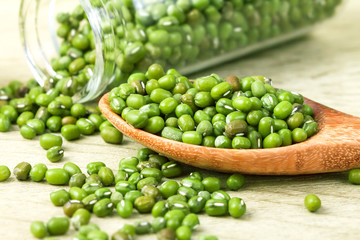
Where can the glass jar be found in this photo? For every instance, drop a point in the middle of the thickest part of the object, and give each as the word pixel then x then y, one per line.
pixel 82 50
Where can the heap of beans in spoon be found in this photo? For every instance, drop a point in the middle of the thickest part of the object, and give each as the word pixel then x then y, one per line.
pixel 239 113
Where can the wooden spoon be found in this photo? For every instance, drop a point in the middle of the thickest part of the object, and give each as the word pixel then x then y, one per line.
pixel 336 147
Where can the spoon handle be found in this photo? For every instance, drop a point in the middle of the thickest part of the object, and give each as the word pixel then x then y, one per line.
pixel 338 142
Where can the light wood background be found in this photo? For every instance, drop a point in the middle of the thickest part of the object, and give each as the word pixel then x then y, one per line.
pixel 325 66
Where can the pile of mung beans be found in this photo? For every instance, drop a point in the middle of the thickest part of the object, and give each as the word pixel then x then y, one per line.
pixel 173 33
pixel 140 185
pixel 36 111
pixel 239 113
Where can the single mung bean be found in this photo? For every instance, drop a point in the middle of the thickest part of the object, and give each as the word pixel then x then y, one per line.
pixel 80 217
pixel 220 194
pixel 159 209
pixel 171 169
pixel 160 160
pixel 5 125
pixel 10 112
pixel 216 207
pixel 77 193
pixel 70 132
pixel 129 169
pixel 68 120
pixel 106 176
pixel 128 229
pixel 78 110
pixel 137 118
pixel 71 206
pixel 4 173
pixel 235 182
pixel 237 207
pixel 22 171
pixel 191 220
pixel 38 229
pixel 59 197
pixel 295 120
pixel 144 204
pixel 142 227
pixel 91 187
pixel 49 140
pixel 211 184
pixel 196 175
pixel 58 225
pixel 283 109
pixel 111 135
pixel 151 191
pixel 241 143
pixel 121 176
pixel 192 137
pixel 172 133
pixel 272 140
pixel 37 173
pixel 105 124
pixel 311 128
pixel 197 203
pixel 187 192
pixel 94 178
pixel 180 205
pixel 27 132
pixel 166 234
pixel 193 183
pixel 54 123
pixel 55 154
pixel 205 194
pixel 144 153
pixel 298 135
pixel 124 186
pixel 103 207
pixel 124 208
pixel 223 142
pixel 57 176
pixel 152 172
pixel 116 197
pixel 135 178
pixel 158 224
pixel 77 180
pixel 71 168
pixel 86 127
pixel 183 233
pixel 312 202
pixel 169 188
pixel 354 176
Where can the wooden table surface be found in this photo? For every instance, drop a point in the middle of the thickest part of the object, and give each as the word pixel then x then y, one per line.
pixel 325 66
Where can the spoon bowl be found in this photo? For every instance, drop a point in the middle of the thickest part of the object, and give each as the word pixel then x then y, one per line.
pixel 336 147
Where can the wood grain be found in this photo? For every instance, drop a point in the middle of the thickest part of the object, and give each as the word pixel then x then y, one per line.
pixel 323 67
pixel 336 147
